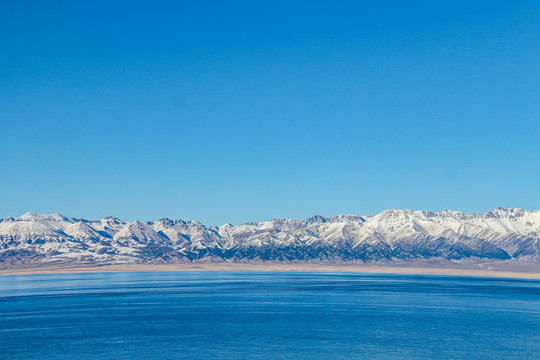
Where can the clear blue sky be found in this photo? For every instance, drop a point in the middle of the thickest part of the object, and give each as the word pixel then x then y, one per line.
pixel 227 111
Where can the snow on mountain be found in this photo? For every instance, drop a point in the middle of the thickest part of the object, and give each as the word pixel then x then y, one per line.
pixel 81 230
pixel 138 233
pixel 392 235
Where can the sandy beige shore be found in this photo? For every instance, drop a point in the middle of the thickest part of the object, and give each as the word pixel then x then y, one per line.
pixel 531 272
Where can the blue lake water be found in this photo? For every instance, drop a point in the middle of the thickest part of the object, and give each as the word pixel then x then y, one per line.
pixel 249 315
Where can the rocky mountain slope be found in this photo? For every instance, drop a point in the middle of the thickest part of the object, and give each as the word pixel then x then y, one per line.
pixel 510 235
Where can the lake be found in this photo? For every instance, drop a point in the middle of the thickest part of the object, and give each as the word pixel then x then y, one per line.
pixel 267 315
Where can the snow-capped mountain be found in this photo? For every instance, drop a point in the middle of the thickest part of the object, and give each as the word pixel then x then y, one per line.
pixel 392 235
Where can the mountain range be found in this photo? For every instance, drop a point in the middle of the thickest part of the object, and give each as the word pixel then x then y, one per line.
pixel 501 235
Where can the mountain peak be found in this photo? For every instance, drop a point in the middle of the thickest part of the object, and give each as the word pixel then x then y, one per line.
pixel 316 219
pixel 32 216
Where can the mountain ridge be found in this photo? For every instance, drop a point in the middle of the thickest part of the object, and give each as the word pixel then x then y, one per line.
pixel 393 235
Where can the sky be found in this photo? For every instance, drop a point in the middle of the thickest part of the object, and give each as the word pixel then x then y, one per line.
pixel 236 111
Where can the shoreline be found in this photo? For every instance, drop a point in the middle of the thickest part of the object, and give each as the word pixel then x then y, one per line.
pixel 532 273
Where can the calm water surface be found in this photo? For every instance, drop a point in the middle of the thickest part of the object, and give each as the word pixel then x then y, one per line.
pixel 249 315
